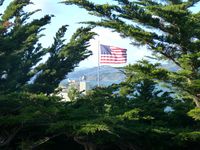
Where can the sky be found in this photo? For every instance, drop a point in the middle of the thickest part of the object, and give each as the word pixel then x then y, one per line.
pixel 72 15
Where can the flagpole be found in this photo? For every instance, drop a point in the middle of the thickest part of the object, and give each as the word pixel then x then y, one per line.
pixel 98 72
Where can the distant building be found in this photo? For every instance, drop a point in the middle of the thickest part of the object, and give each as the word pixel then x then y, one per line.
pixel 82 86
pixel 83 78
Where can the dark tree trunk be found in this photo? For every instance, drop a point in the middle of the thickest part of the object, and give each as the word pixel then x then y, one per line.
pixel 197 101
pixel 127 146
pixel 87 145
pixel 8 136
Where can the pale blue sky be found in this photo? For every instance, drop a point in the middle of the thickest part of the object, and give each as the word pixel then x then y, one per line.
pixel 71 15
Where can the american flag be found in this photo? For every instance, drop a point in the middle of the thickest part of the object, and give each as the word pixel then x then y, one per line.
pixel 112 55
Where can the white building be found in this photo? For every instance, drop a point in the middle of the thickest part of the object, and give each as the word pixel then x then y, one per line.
pixel 82 86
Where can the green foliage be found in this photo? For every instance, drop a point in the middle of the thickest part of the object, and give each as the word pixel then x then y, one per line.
pixel 93 128
pixel 104 113
pixel 26 115
pixel 73 93
pixel 130 115
pixel 100 117
pixel 195 113
pixel 190 136
pixel 188 139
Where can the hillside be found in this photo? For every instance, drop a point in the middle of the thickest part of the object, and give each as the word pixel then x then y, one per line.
pixel 108 75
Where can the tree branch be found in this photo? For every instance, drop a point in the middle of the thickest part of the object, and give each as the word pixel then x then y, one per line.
pixel 10 138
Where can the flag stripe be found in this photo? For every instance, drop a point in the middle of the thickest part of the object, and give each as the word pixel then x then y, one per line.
pixel 118 53
pixel 112 55
pixel 116 58
pixel 116 62
pixel 119 50
pixel 113 60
